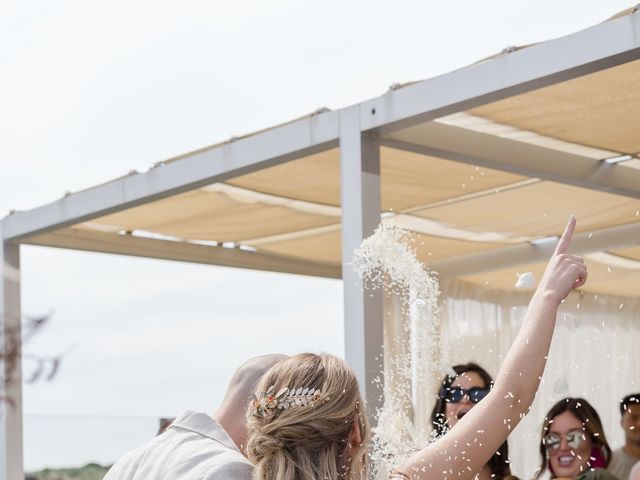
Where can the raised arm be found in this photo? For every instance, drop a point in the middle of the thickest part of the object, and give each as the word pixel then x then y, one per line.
pixel 464 450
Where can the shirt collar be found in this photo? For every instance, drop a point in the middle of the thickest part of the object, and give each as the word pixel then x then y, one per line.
pixel 205 425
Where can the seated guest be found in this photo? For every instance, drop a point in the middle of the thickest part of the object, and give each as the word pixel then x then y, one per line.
pixel 459 394
pixel 625 457
pixel 197 446
pixel 573 444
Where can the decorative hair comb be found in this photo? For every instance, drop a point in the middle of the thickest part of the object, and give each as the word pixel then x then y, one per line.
pixel 284 399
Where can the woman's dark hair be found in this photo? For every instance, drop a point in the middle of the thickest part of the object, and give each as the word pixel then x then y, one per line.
pixel 499 462
pixel 591 423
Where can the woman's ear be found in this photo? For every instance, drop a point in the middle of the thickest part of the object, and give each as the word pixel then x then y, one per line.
pixel 355 434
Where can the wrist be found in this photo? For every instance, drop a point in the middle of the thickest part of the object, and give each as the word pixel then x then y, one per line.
pixel 549 297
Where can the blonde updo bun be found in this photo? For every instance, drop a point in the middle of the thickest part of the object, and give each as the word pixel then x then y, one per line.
pixel 309 442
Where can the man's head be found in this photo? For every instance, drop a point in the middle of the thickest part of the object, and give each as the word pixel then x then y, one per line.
pixel 231 414
pixel 630 421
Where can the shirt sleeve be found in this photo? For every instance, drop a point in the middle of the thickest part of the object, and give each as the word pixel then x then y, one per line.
pixel 635 472
pixel 126 466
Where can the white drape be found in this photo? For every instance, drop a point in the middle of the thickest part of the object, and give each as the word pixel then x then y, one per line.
pixel 595 354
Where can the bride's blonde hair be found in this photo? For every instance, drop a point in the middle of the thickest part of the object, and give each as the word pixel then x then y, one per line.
pixel 309 442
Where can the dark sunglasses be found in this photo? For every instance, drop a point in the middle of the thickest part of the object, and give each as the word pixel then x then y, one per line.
pixel 574 438
pixel 456 394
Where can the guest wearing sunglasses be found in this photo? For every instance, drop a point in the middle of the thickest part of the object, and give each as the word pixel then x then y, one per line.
pixel 573 444
pixel 458 394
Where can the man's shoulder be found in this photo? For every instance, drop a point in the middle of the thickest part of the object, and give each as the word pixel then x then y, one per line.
pixel 127 464
pixel 235 467
pixel 194 447
pixel 217 463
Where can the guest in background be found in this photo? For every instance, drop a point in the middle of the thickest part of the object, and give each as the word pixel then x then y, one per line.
pixel 625 457
pixel 573 444
pixel 635 472
pixel 458 394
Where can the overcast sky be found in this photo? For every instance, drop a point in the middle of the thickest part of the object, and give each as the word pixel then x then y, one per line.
pixel 91 90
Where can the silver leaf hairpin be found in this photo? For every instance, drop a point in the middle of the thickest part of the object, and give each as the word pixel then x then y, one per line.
pixel 283 399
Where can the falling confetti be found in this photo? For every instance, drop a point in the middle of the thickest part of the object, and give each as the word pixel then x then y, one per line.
pixel 387 260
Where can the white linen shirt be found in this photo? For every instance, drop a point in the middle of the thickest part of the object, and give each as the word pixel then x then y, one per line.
pixel 194 447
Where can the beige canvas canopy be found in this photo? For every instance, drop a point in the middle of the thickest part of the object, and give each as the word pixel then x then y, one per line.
pixel 458 209
pixel 484 164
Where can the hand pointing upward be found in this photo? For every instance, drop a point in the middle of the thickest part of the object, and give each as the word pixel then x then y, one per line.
pixel 564 272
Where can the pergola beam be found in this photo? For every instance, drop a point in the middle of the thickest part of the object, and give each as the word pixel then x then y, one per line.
pixel 77 239
pixel 482 149
pixel 271 147
pixel 627 235
pixel 602 46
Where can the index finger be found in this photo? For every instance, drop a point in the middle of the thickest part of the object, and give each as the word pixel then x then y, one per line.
pixel 565 239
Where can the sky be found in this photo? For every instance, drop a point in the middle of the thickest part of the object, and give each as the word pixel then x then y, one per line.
pixel 92 90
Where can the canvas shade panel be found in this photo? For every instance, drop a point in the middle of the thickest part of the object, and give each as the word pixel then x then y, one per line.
pixel 408 179
pixel 634 163
pixel 601 110
pixel 630 253
pixel 256 209
pixel 537 210
pixel 314 178
pixel 430 248
pixel 326 247
pixel 322 247
pixel 602 278
pixel 625 285
pixel 214 216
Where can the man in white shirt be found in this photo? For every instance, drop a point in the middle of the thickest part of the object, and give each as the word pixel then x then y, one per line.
pixel 625 457
pixel 199 446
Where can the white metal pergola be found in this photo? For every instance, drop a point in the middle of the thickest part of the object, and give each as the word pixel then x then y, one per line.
pixel 358 131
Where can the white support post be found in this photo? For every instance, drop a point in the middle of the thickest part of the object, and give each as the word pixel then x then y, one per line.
pixel 11 463
pixel 363 311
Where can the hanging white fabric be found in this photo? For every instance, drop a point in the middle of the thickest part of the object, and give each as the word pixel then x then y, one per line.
pixel 594 355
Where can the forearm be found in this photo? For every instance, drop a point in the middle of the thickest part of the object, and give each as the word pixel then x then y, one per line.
pixel 522 368
pixel 464 450
pixel 478 435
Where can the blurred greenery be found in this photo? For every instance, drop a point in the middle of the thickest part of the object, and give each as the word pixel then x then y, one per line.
pixel 92 471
